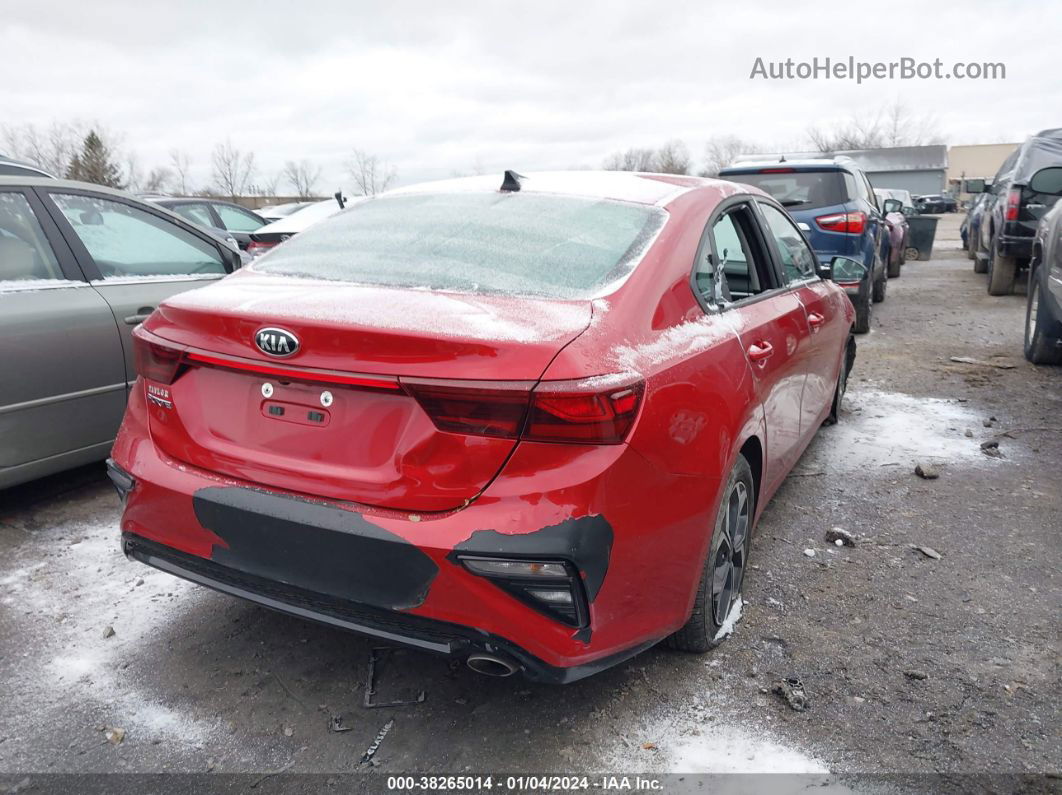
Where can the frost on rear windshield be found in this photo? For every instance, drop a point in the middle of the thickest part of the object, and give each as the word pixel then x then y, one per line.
pixel 533 244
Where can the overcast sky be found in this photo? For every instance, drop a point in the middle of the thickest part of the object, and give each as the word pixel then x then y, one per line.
pixel 451 87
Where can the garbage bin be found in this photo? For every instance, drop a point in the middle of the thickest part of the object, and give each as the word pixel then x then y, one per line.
pixel 922 230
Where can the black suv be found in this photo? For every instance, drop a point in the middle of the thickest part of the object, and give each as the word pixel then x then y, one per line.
pixel 1014 210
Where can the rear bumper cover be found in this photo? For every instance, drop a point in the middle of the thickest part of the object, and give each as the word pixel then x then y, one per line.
pixel 406 629
pixel 1013 246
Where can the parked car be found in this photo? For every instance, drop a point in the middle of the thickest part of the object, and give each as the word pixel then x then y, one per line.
pixel 936 203
pixel 80 266
pixel 1043 314
pixel 970 231
pixel 277 232
pixel 834 204
pixel 1013 212
pixel 899 230
pixel 9 167
pixel 238 222
pixel 275 212
pixel 435 418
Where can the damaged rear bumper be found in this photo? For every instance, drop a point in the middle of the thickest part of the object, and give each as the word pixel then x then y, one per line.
pixel 406 629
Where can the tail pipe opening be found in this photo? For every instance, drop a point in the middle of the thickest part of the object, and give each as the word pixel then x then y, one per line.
pixel 491 665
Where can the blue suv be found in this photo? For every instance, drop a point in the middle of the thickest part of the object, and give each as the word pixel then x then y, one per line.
pixel 833 202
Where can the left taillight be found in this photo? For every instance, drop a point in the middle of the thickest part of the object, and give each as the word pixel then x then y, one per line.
pixel 1013 204
pixel 156 360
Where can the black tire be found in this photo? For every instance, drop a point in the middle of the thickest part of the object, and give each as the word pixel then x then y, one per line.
pixel 725 565
pixel 971 249
pixel 894 268
pixel 842 385
pixel 1043 333
pixel 1001 272
pixel 880 285
pixel 862 316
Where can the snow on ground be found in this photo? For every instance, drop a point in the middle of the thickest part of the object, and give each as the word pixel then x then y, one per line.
pixel 63 606
pixel 891 429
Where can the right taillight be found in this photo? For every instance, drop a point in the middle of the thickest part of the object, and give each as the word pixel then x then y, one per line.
pixel 574 412
pixel 564 412
pixel 1013 203
pixel 155 360
pixel 254 248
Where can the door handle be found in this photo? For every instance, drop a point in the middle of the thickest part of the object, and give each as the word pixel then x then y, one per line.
pixel 142 314
pixel 760 351
pixel 815 320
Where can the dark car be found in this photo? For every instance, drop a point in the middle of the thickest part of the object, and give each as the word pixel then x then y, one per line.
pixel 9 167
pixel 834 204
pixel 1014 210
pixel 238 221
pixel 453 468
pixel 1043 314
pixel 936 203
pixel 80 266
pixel 970 231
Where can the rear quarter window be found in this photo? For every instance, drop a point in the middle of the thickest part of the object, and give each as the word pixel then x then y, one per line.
pixel 799 190
pixel 518 243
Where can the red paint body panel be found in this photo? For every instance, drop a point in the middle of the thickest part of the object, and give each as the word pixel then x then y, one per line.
pixel 380 456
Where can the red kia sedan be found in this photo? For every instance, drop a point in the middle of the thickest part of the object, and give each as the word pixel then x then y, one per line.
pixel 528 422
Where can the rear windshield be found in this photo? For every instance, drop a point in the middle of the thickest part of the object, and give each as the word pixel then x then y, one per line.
pixel 799 190
pixel 535 244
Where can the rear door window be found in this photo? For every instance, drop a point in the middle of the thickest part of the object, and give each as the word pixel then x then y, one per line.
pixel 196 213
pixel 127 242
pixel 734 266
pixel 798 190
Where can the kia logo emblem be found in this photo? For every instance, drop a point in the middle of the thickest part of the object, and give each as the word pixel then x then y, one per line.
pixel 276 342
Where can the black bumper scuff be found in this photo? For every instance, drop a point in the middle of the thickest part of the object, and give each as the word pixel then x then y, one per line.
pixel 318 547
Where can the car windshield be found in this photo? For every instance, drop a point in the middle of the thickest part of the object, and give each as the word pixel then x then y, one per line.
pixel 798 190
pixel 518 243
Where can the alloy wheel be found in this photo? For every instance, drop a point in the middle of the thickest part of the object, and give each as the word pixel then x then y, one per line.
pixel 728 568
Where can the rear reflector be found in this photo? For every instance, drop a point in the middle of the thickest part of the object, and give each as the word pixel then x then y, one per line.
pixel 849 223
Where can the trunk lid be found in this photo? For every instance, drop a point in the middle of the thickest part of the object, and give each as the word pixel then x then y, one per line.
pixel 368 440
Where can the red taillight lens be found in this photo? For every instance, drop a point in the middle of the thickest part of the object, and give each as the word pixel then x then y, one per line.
pixel 155 360
pixel 560 412
pixel 554 411
pixel 1013 203
pixel 482 408
pixel 849 223
pixel 254 248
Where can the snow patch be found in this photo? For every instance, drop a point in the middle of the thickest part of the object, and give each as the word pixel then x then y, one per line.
pixel 677 342
pixel 732 618
pixel 880 428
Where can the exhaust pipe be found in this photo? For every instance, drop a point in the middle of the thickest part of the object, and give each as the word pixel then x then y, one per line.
pixel 490 665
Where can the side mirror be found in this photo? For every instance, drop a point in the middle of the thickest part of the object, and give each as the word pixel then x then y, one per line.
pixel 891 206
pixel 233 257
pixel 843 269
pixel 1047 181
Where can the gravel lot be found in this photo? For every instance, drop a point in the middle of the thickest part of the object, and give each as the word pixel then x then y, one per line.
pixel 944 660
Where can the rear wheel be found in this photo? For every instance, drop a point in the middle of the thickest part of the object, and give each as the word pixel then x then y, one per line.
pixel 1042 332
pixel 971 248
pixel 878 293
pixel 719 590
pixel 1001 272
pixel 894 266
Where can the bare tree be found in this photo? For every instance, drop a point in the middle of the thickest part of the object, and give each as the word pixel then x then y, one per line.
pixel 233 170
pixel 721 151
pixel 673 158
pixel 158 180
pixel 303 177
pixel 634 159
pixel 266 186
pixel 181 164
pixel 52 148
pixel 370 174
pixel 893 125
